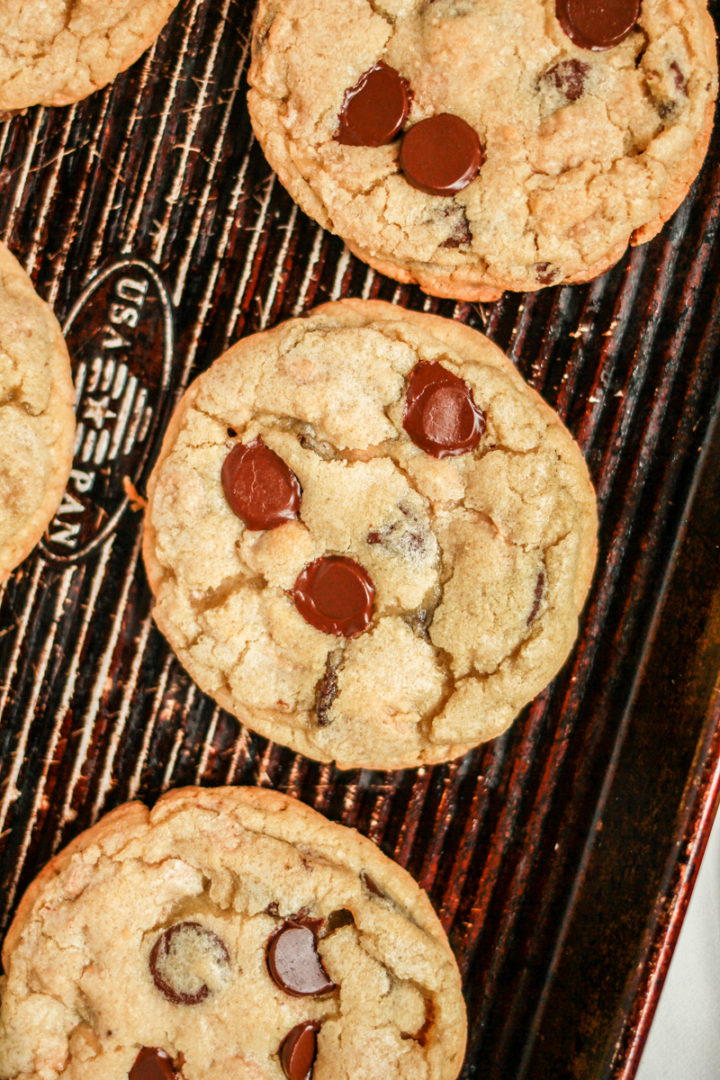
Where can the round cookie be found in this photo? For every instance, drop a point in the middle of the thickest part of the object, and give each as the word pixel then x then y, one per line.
pixel 473 146
pixel 37 423
pixel 54 52
pixel 427 582
pixel 229 932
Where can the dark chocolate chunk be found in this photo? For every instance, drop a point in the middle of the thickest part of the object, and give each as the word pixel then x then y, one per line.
pixel 545 273
pixel 337 919
pixel 403 539
pixel 441 416
pixel 441 155
pixel 298 1050
pixel 259 486
pixel 294 963
pixel 568 76
pixel 421 1036
pixel 680 80
pixel 327 688
pixel 461 236
pixel 371 886
pixel 419 622
pixel 179 956
pixel 375 108
pixel 152 1064
pixel 335 594
pixel 537 600
pixel 597 24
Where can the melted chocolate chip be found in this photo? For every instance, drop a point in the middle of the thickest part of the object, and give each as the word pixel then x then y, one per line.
pixel 441 155
pixel 294 963
pixel 375 108
pixel 545 273
pixel 680 80
pixel 405 541
pixel 371 886
pixel 152 1064
pixel 537 600
pixel 182 957
pixel 335 594
pixel 597 24
pixel 568 76
pixel 441 416
pixel 259 486
pixel 337 919
pixel 419 622
pixel 298 1050
pixel 461 236
pixel 327 688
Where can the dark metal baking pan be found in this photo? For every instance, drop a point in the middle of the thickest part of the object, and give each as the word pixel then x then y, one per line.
pixel 562 855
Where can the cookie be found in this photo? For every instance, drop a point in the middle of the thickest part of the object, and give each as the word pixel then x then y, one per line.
pixel 472 146
pixel 37 423
pixel 227 933
pixel 54 52
pixel 367 537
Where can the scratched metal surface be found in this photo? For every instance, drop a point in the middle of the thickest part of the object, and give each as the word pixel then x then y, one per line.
pixel 561 856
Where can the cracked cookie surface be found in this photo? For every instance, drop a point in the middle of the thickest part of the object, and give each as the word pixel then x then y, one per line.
pixel 54 52
pixel 478 562
pixel 584 151
pixel 180 942
pixel 37 421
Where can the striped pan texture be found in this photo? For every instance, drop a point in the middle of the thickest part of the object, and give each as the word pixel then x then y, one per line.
pixel 562 855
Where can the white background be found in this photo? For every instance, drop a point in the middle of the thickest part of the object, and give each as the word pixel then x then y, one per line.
pixel 684 1040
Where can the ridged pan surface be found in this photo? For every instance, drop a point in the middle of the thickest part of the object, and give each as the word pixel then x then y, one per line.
pixel 561 855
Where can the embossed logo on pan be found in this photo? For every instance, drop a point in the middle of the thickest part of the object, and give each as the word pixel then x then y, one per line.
pixel 120 338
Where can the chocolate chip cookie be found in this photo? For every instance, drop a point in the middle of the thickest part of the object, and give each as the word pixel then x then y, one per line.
pixel 54 52
pixel 473 146
pixel 367 537
pixel 37 422
pixel 227 933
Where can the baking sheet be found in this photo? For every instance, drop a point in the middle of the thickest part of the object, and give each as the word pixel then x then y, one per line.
pixel 560 856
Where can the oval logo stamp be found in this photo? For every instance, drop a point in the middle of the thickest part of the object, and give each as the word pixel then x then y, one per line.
pixel 120 337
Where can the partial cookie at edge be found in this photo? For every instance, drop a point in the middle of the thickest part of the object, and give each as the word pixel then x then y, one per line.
pixel 568 182
pixel 37 422
pixel 59 51
pixel 242 864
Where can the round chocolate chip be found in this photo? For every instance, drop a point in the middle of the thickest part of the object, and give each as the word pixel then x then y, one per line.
pixel 298 1049
pixel 375 108
pixel 152 1064
pixel 259 486
pixel 294 963
pixel 441 416
pixel 335 594
pixel 441 155
pixel 184 958
pixel 597 24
